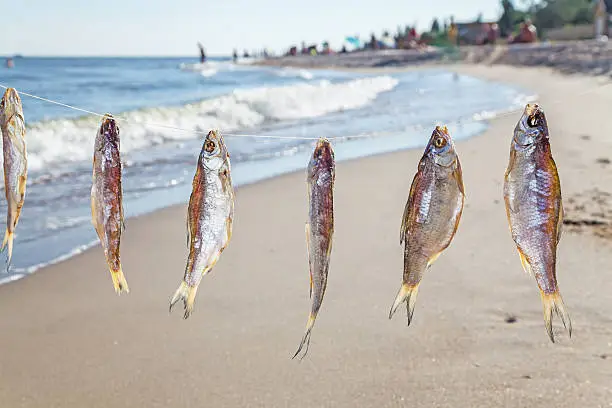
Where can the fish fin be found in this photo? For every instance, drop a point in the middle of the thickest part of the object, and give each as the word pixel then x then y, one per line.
pixel 404 222
pixel 550 302
pixel 306 339
pixel 119 282
pixel 560 222
pixel 122 219
pixel 307 228
pixel 187 294
pixel 406 294
pixel 525 263
pixel 228 228
pixel 406 214
pixel 7 244
pixel 21 186
pixel 188 229
pixel 433 259
pixel 458 176
pixel 94 220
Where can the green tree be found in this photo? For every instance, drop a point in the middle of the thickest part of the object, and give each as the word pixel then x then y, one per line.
pixel 557 13
pixel 584 15
pixel 435 26
pixel 507 20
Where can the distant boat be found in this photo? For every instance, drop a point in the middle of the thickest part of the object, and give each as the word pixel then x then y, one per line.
pixel 17 56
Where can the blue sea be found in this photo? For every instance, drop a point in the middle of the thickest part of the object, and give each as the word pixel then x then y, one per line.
pixel 165 104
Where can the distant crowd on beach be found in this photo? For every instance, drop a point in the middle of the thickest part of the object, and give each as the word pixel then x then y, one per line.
pixel 452 34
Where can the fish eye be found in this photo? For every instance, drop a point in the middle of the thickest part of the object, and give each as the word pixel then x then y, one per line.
pixel 209 146
pixel 440 142
pixel 533 120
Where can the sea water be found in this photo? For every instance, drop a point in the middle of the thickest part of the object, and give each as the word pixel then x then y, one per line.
pixel 369 113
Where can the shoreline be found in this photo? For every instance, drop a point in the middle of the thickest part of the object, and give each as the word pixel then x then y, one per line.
pixel 587 57
pixel 470 124
pixel 70 341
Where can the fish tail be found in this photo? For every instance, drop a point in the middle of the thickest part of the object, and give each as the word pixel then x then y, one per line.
pixel 119 281
pixel 407 293
pixel 187 294
pixel 553 302
pixel 7 244
pixel 306 339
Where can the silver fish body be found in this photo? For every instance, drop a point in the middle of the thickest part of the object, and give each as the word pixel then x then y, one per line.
pixel 12 123
pixel 319 228
pixel 532 194
pixel 107 198
pixel 210 216
pixel 431 216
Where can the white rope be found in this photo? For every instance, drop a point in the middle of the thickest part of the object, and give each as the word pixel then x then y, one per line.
pixel 363 135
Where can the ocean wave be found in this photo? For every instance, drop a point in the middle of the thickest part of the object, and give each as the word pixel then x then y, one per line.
pixel 293 72
pixel 70 140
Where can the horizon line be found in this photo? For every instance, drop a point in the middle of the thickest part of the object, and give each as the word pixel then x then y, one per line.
pixel 20 55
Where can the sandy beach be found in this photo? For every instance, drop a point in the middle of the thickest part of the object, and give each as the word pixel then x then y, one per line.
pixel 477 339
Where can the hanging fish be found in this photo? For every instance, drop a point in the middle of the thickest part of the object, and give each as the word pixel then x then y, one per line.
pixel 107 198
pixel 15 163
pixel 431 215
pixel 209 217
pixel 319 228
pixel 532 193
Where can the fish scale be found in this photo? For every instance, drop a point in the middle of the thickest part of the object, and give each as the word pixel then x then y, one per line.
pixel 319 229
pixel 431 215
pixel 107 198
pixel 209 217
pixel 12 124
pixel 532 195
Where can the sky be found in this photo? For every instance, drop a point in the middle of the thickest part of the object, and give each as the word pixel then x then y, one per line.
pixel 173 28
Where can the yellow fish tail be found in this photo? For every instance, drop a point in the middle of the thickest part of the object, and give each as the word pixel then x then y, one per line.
pixel 408 294
pixel 7 244
pixel 187 294
pixel 553 302
pixel 119 281
pixel 306 339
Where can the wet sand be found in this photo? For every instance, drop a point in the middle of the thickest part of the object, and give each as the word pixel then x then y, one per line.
pixel 477 338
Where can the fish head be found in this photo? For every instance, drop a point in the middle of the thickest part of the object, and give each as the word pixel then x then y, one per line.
pixel 441 149
pixel 214 153
pixel 531 128
pixel 11 104
pixel 323 158
pixel 110 130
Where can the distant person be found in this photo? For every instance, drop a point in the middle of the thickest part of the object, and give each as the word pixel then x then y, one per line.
pixel 373 42
pixel 412 35
pixel 202 54
pixel 245 54
pixel 235 56
pixel 493 33
pixel 452 33
pixel 9 62
pixel 527 33
pixel 343 50
pixel 531 33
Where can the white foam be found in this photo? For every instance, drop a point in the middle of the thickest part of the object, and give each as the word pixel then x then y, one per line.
pixel 63 140
pixel 208 72
pixel 292 72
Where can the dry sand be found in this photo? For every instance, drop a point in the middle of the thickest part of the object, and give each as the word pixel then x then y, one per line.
pixel 68 341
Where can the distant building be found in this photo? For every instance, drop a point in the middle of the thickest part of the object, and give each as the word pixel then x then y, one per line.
pixel 603 13
pixel 477 33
